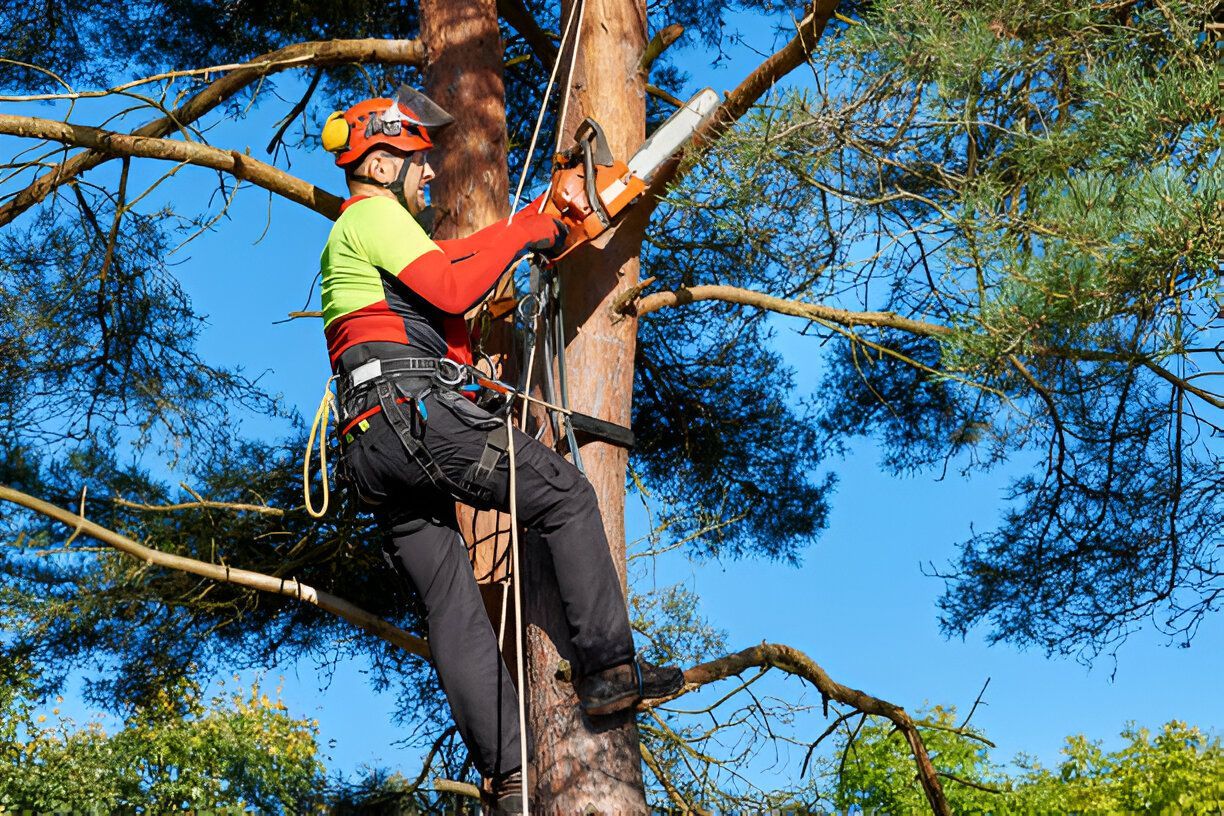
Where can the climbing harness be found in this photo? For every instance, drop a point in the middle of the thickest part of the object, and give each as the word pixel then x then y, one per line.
pixel 401 386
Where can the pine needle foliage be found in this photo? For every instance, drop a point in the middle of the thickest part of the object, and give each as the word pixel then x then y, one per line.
pixel 1031 193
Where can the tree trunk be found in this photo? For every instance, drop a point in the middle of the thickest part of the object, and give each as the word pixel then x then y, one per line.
pixel 580 768
pixel 464 76
pixel 577 768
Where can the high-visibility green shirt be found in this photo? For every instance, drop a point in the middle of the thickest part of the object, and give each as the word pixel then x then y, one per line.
pixel 385 280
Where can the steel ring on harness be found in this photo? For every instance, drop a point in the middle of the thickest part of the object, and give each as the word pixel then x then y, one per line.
pixel 450 373
pixel 529 309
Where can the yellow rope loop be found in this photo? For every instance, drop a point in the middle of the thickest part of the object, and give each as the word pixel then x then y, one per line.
pixel 327 407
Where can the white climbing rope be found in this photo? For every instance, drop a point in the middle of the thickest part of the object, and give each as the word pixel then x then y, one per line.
pixel 576 12
pixel 518 613
pixel 573 28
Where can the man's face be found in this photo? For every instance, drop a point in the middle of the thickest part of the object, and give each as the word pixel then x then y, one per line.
pixel 416 181
pixel 387 166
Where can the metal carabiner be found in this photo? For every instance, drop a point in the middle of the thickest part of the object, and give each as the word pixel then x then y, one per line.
pixel 450 373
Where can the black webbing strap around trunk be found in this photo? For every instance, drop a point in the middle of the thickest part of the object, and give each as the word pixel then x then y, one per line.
pixel 602 430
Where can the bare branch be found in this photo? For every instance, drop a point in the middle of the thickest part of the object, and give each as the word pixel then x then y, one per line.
pixel 461 788
pixel 666 96
pixel 976 703
pixel 236 507
pixel 960 731
pixel 126 86
pixel 664 780
pixel 969 783
pixel 524 22
pixel 812 311
pixel 429 757
pixel 793 661
pixel 740 100
pixel 295 110
pixel 290 588
pixel 659 43
pixel 119 144
pixel 683 296
pixel 1178 382
pixel 331 52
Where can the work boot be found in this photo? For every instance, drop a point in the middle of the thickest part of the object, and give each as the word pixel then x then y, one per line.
pixel 508 793
pixel 621 687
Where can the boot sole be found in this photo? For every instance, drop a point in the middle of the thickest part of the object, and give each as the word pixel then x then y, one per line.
pixel 613 706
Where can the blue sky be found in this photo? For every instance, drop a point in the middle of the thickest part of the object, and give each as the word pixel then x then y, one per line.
pixel 858 604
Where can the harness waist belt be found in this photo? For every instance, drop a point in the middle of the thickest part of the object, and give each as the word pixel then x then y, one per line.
pixel 446 371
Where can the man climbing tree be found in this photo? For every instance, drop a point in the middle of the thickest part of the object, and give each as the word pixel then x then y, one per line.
pixel 999 221
pixel 393 306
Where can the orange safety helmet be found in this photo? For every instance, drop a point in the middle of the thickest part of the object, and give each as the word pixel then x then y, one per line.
pixel 402 123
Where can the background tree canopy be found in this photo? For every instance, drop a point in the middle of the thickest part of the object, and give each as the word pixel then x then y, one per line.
pixel 999 224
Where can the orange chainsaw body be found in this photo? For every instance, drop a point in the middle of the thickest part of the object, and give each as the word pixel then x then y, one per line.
pixel 585 172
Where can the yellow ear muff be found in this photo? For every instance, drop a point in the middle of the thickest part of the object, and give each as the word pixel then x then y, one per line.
pixel 335 133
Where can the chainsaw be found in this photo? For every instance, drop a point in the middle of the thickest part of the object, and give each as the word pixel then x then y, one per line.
pixel 590 187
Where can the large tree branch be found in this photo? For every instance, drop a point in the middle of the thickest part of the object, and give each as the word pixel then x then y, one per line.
pixel 793 661
pixel 747 297
pixel 631 303
pixel 740 100
pixel 319 54
pixel 219 572
pixel 108 143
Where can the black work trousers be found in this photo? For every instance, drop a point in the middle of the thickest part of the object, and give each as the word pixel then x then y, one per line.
pixel 424 544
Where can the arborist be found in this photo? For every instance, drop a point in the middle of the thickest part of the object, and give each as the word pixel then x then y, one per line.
pixel 413 443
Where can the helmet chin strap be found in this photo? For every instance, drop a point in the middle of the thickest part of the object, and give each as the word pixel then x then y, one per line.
pixel 396 186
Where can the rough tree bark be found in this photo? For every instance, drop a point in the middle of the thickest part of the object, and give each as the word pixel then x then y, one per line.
pixel 464 75
pixel 581 767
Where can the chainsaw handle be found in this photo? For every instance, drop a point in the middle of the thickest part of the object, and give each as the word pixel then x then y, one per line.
pixel 590 133
pixel 592 192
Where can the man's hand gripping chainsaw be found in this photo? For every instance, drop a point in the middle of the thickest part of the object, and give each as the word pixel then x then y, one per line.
pixel 590 187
